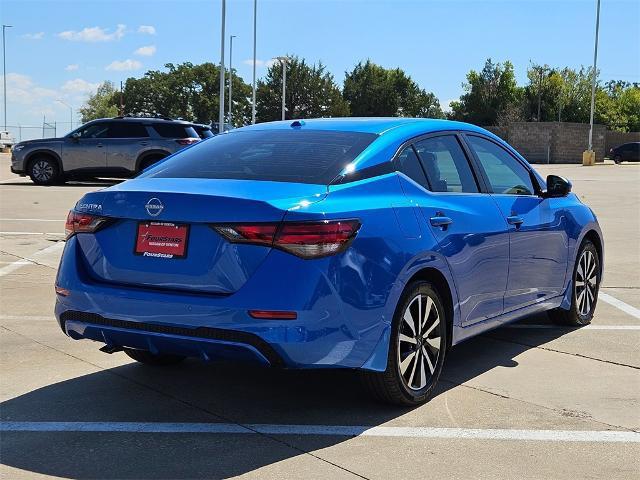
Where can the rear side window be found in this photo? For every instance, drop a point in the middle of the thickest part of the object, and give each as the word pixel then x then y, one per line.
pixel 127 130
pixel 311 156
pixel 446 165
pixel 174 130
pixel 410 166
pixel 203 132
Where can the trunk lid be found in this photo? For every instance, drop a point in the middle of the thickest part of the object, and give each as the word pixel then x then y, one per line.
pixel 211 264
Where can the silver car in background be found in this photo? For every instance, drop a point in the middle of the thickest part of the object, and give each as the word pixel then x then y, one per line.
pixel 108 147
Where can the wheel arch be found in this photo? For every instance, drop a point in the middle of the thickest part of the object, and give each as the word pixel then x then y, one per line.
pixel 42 153
pixel 441 284
pixel 150 153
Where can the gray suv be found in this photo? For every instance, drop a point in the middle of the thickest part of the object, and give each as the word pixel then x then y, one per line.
pixel 108 147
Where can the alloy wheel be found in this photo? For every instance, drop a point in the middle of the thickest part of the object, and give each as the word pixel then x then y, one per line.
pixel 586 282
pixel 419 342
pixel 42 171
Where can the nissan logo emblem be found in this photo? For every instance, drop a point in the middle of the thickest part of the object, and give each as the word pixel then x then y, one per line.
pixel 154 207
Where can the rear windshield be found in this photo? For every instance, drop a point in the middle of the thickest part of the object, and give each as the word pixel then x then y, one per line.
pixel 203 132
pixel 174 130
pixel 275 155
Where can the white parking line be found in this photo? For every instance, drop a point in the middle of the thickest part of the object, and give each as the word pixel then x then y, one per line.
pixel 32 233
pixel 30 220
pixel 329 430
pixel 33 259
pixel 586 327
pixel 625 307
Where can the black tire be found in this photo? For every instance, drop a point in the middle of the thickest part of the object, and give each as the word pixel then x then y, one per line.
pixel 148 358
pixel 44 170
pixel 581 313
pixel 617 159
pixel 150 160
pixel 391 386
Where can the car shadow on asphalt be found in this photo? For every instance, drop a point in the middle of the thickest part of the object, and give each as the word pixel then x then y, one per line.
pixel 213 393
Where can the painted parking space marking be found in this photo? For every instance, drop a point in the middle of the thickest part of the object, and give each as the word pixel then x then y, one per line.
pixel 30 220
pixel 619 304
pixel 32 233
pixel 575 329
pixel 330 430
pixel 32 259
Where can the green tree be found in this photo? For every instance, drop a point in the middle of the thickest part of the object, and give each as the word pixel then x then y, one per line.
pixel 489 93
pixel 374 91
pixel 187 91
pixel 311 92
pixel 102 104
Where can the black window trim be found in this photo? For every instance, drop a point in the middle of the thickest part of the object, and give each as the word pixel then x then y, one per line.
pixel 534 179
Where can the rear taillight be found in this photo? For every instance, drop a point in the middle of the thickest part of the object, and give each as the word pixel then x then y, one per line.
pixel 83 223
pixel 187 141
pixel 304 239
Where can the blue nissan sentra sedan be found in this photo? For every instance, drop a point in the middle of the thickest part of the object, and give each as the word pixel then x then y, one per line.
pixel 368 244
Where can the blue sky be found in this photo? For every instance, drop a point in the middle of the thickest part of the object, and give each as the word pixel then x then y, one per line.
pixel 62 50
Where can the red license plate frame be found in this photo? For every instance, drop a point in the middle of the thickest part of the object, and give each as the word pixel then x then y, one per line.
pixel 166 240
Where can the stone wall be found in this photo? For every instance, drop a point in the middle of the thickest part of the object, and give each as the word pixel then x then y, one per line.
pixel 554 142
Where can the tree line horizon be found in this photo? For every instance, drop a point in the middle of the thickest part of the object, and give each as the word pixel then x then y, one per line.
pixel 491 95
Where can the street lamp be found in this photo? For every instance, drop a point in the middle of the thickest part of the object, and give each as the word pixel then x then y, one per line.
pixel 253 91
pixel 221 109
pixel 593 77
pixel 231 37
pixel 283 61
pixel 70 112
pixel 4 72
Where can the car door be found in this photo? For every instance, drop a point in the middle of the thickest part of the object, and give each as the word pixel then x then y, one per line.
pixel 126 140
pixel 537 226
pixel 467 224
pixel 85 148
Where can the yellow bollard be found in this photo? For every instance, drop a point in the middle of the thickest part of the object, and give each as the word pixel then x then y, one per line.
pixel 588 158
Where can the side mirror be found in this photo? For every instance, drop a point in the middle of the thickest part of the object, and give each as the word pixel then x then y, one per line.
pixel 557 187
pixel 75 136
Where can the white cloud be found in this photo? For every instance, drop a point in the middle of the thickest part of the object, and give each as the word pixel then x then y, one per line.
pixel 71 67
pixel 260 63
pixel 124 65
pixel 94 34
pixel 79 86
pixel 34 36
pixel 148 29
pixel 147 51
pixel 22 89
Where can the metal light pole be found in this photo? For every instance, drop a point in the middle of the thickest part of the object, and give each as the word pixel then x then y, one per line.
pixel 4 72
pixel 222 73
pixel 593 77
pixel 253 93
pixel 231 37
pixel 283 61
pixel 70 112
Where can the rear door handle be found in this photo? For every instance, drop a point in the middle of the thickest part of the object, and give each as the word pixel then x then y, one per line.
pixel 99 145
pixel 440 221
pixel 515 220
pixel 144 144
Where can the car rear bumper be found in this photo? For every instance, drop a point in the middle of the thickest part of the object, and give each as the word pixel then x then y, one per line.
pixel 214 327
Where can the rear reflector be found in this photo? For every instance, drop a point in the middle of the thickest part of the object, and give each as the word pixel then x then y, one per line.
pixel 273 315
pixel 83 223
pixel 62 291
pixel 303 239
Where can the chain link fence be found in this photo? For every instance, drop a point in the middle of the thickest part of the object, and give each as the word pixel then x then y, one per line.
pixel 47 129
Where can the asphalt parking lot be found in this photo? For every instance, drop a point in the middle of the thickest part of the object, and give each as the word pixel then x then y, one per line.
pixel 530 401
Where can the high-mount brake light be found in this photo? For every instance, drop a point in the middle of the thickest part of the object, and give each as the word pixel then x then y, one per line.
pixel 78 222
pixel 303 239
